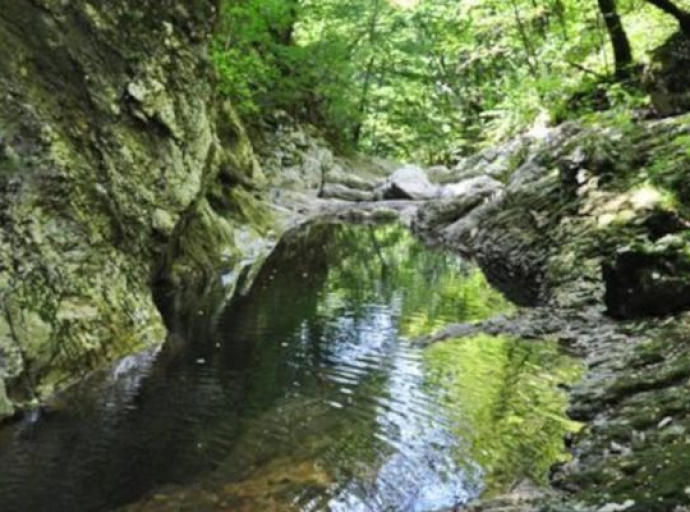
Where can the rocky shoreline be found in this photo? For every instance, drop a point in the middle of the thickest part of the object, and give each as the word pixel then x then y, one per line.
pixel 556 221
pixel 578 215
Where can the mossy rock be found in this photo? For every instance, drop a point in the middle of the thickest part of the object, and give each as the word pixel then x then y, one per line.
pixel 667 77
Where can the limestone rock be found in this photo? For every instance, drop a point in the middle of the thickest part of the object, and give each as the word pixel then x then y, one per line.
pixel 481 186
pixel 409 182
pixel 456 201
pixel 338 191
pixel 100 183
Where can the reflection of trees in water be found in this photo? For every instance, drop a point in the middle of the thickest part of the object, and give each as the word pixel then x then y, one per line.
pixel 357 268
pixel 230 397
pixel 505 391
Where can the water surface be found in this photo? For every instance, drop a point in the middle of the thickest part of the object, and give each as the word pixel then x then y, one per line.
pixel 306 394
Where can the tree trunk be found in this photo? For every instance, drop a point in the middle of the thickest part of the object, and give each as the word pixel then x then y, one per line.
pixel 363 102
pixel 283 30
pixel 529 51
pixel 364 97
pixel 619 39
pixel 681 15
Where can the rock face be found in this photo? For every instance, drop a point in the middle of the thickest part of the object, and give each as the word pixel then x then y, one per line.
pixel 452 210
pixel 668 76
pixel 300 166
pixel 593 223
pixel 652 283
pixel 578 196
pixel 112 160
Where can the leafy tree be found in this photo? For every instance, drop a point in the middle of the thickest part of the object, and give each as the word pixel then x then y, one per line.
pixel 681 15
pixel 403 78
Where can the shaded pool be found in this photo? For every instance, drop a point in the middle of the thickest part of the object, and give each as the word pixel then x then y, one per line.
pixel 306 394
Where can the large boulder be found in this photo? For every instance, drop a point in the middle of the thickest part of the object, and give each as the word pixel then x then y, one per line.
pixel 667 78
pixel 409 182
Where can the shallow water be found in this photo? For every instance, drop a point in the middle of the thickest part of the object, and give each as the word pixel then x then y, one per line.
pixel 307 395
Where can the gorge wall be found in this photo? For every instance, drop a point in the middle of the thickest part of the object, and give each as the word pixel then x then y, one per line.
pixel 112 158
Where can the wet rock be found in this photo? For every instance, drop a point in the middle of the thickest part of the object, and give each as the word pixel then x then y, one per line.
pixel 409 182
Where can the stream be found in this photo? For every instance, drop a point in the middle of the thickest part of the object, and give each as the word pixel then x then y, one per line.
pixel 307 394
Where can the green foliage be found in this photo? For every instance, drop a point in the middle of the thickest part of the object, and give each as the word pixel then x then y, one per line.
pixel 408 78
pixel 253 54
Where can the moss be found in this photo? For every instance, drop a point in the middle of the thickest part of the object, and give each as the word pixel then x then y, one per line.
pixel 106 177
pixel 656 480
pixel 649 353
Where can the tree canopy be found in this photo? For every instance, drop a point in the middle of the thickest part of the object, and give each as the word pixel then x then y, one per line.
pixel 408 78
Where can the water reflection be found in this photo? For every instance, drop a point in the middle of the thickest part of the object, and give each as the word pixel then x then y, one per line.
pixel 305 395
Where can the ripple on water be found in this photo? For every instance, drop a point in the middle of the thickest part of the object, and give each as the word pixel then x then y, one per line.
pixel 306 395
